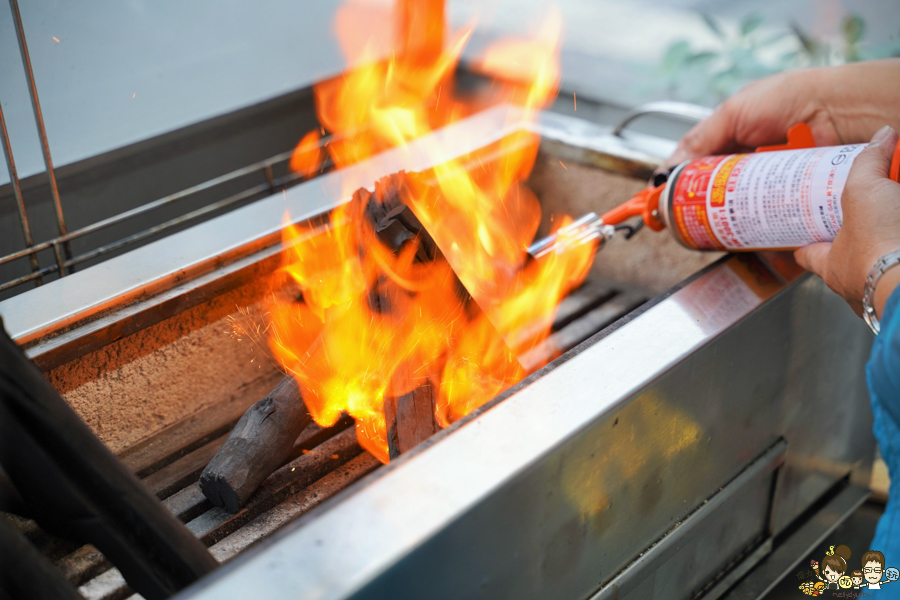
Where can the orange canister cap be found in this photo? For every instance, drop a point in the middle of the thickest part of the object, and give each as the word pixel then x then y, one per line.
pixel 895 163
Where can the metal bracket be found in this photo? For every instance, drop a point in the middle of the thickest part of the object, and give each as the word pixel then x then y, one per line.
pixel 685 111
pixel 638 571
pixel 790 552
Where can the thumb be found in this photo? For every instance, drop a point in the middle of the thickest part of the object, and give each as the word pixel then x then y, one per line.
pixel 875 160
pixel 710 136
pixel 814 257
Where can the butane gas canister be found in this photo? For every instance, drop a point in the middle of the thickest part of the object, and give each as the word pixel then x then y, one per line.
pixel 780 197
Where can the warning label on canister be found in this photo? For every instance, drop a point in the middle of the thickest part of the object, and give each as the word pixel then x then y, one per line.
pixel 781 199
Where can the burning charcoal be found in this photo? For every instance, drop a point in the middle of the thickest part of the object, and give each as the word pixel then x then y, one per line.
pixel 263 438
pixel 409 416
pixel 260 443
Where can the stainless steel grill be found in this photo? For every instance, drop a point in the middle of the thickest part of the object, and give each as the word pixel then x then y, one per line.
pixel 673 447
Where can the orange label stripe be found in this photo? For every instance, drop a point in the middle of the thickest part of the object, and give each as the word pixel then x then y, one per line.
pixel 717 195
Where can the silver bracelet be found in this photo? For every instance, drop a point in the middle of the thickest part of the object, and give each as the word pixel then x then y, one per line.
pixel 881 266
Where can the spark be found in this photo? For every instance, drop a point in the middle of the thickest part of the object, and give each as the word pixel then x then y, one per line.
pixel 284 194
pixel 563 166
pixel 55 39
pixel 575 100
pixel 134 94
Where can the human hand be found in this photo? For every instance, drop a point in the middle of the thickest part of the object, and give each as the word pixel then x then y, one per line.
pixel 842 105
pixel 871 228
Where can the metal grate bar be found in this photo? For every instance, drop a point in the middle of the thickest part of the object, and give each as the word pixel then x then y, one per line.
pixel 270 186
pixel 17 192
pixel 42 131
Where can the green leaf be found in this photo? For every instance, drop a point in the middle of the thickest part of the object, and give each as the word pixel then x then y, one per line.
pixel 700 58
pixel 713 25
pixel 854 28
pixel 750 23
pixel 676 55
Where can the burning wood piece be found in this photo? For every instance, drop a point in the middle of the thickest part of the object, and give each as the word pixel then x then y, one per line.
pixel 409 415
pixel 262 439
pixel 410 419
pixel 261 442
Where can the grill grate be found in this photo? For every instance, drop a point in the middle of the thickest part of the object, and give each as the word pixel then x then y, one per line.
pixel 323 461
pixel 64 263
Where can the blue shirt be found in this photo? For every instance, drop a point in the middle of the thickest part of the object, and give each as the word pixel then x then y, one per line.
pixel 883 376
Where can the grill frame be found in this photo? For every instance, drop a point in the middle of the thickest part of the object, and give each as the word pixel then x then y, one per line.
pixel 443 522
pixel 150 284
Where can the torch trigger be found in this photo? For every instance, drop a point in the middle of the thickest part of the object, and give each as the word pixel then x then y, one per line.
pixel 799 136
pixel 630 230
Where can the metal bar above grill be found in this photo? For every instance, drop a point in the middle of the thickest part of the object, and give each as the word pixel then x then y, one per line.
pixel 42 131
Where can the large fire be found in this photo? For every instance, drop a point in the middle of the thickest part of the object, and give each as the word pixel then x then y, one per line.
pixel 349 356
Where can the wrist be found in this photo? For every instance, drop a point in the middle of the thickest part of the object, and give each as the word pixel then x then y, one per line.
pixel 886 286
pixel 882 267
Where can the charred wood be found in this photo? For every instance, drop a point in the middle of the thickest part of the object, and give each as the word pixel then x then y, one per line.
pixel 409 408
pixel 261 442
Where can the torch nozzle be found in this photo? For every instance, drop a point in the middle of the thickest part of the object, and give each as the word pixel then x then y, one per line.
pixel 591 227
pixel 586 229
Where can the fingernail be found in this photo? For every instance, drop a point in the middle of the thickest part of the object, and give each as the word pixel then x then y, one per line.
pixel 882 134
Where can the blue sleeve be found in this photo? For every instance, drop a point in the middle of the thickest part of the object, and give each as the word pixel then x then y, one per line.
pixel 883 374
pixel 883 377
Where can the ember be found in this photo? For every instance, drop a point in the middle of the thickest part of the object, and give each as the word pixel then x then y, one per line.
pixel 380 319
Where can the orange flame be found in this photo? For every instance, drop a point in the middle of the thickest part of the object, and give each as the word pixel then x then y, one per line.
pixel 346 355
pixel 307 155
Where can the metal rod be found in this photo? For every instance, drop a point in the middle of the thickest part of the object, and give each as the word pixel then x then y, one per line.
pixel 246 194
pixel 64 264
pixel 28 251
pixel 60 261
pixel 39 119
pixel 26 278
pixel 174 197
pixel 17 192
pixel 279 182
